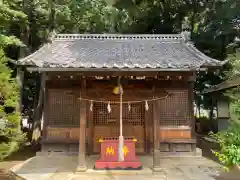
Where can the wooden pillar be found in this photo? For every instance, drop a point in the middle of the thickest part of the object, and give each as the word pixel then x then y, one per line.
pixel 156 137
pixel 191 108
pixel 82 149
pixel 192 121
pixel 43 99
pixel 90 130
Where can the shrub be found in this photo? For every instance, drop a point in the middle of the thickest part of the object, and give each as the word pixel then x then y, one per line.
pixel 229 141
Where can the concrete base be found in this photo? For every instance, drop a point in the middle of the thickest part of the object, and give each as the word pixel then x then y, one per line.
pixel 81 169
pixel 118 165
pixel 198 153
pixel 157 169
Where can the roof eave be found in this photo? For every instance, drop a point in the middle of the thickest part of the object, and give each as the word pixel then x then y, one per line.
pixel 225 85
pixel 209 62
pixel 212 90
pixel 40 69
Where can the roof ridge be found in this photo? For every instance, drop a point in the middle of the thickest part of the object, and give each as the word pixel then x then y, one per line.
pixel 119 36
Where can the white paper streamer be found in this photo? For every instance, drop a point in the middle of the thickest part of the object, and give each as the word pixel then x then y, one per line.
pixel 91 106
pixel 146 106
pixel 109 107
pixel 129 107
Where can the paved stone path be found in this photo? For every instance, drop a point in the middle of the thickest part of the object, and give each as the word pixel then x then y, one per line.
pixel 63 168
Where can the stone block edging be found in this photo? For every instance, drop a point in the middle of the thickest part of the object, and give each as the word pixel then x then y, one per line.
pixel 14 176
pixel 12 173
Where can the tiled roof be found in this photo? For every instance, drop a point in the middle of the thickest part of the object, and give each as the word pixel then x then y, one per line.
pixel 119 51
pixel 228 84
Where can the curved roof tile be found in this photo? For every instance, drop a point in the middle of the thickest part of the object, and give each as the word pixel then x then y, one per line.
pixel 119 51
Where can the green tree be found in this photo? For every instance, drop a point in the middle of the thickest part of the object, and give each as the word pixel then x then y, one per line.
pixel 10 134
pixel 215 33
pixel 229 140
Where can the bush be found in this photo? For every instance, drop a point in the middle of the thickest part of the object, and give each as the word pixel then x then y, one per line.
pixel 10 141
pixel 229 141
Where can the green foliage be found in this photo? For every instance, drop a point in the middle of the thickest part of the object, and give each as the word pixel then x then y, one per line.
pixel 10 136
pixel 93 16
pixel 216 34
pixel 10 141
pixel 154 16
pixel 9 15
pixel 229 142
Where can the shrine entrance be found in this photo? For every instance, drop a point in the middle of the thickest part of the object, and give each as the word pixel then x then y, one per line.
pixel 106 123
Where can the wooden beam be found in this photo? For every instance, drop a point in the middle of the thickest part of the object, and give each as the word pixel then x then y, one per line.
pixel 83 116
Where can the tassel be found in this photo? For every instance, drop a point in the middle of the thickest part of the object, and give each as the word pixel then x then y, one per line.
pixel 109 107
pixel 91 106
pixel 146 106
pixel 129 106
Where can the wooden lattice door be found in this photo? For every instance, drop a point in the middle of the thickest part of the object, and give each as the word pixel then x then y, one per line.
pixel 106 124
pixel 134 123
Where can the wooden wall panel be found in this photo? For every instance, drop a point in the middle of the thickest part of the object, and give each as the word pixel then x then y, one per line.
pixel 64 134
pixel 57 133
pixel 174 110
pixel 175 134
pixel 74 133
pixel 63 108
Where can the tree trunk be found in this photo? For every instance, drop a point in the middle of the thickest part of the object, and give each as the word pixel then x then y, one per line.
pixel 36 108
pixel 24 33
pixel 52 19
pixel 193 17
pixel 20 78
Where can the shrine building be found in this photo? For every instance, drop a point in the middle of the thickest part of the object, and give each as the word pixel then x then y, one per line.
pixel 80 109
